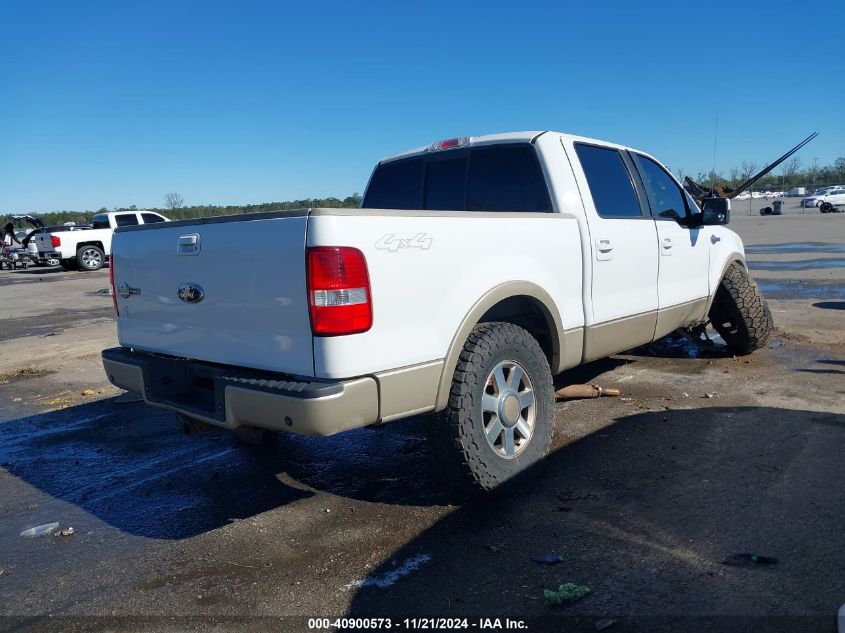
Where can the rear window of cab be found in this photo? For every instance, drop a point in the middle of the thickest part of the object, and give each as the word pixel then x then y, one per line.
pixel 502 177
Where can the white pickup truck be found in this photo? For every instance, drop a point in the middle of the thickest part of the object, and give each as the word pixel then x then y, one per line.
pixel 478 269
pixel 88 249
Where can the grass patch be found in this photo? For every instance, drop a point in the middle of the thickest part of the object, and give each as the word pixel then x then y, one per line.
pixel 23 372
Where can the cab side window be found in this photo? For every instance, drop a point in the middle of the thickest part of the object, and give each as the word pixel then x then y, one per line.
pixel 126 219
pixel 666 198
pixel 151 218
pixel 610 183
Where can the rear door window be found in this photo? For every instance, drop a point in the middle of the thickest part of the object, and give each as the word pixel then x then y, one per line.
pixel 610 182
pixel 126 219
pixel 506 178
pixel 151 218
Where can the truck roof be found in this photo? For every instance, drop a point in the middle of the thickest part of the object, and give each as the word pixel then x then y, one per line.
pixel 506 137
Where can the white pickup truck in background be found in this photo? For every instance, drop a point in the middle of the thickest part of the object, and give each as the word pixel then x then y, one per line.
pixel 478 269
pixel 89 248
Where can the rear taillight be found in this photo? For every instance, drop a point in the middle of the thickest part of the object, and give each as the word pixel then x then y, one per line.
pixel 111 284
pixel 56 241
pixel 338 291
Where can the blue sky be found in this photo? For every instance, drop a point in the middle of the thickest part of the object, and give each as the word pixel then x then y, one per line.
pixel 116 103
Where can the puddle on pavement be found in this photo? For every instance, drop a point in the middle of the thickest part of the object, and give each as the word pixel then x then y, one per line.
pixel 801 289
pixel 801 264
pixel 679 346
pixel 795 247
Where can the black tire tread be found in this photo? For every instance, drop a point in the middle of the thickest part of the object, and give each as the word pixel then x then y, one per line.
pixel 738 301
pixel 459 456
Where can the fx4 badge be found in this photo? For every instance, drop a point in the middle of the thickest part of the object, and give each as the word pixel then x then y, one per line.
pixel 126 291
pixel 395 241
pixel 191 293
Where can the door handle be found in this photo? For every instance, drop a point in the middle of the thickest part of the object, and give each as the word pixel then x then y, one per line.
pixel 604 249
pixel 666 246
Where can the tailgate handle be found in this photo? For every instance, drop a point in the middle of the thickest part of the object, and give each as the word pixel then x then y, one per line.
pixel 188 244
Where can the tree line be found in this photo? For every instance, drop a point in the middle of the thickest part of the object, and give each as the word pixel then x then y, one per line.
pixel 792 173
pixel 175 211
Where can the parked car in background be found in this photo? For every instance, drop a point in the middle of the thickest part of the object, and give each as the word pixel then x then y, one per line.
pixel 833 195
pixel 89 249
pixel 47 258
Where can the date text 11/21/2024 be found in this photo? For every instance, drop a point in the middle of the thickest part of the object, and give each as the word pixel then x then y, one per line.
pixel 431 624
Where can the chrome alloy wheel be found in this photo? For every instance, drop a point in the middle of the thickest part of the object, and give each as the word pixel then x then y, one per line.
pixel 508 409
pixel 91 258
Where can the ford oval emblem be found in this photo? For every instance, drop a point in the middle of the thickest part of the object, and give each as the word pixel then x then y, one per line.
pixel 191 293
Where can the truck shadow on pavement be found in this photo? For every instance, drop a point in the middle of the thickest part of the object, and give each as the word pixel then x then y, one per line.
pixel 130 466
pixel 645 513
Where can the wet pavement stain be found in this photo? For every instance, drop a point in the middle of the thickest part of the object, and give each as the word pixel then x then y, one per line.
pixel 795 247
pixel 802 264
pixel 49 324
pixel 801 289
pixel 150 480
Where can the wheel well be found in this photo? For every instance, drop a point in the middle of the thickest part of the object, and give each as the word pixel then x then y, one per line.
pixel 529 314
pixel 97 244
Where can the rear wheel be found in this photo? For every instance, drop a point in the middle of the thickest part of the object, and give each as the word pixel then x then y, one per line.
pixel 90 257
pixel 740 314
pixel 500 416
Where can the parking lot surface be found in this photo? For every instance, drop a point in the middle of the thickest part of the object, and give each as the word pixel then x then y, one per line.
pixel 645 498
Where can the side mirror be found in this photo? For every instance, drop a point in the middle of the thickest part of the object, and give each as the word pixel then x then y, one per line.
pixel 716 211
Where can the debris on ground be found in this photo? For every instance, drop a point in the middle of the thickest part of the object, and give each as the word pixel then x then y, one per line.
pixel 68 531
pixel 40 530
pixel 571 494
pixel 492 547
pixel 715 394
pixel 605 623
pixel 88 392
pixel 22 372
pixel 568 592
pixel 749 559
pixel 549 559
pixel 387 579
pixel 576 392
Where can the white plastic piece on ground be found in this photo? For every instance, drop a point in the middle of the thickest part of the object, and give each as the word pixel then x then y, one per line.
pixel 40 530
pixel 389 578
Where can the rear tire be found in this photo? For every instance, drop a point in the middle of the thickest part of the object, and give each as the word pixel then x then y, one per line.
pixel 90 257
pixel 740 314
pixel 500 416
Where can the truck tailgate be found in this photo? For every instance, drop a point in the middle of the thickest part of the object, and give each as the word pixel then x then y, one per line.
pixel 243 296
pixel 43 242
